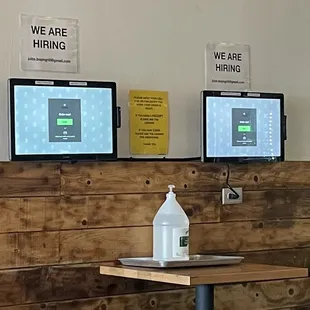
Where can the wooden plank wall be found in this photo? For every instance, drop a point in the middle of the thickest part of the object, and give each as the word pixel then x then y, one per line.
pixel 58 222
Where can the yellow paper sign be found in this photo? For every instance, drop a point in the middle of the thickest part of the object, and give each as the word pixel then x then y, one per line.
pixel 148 112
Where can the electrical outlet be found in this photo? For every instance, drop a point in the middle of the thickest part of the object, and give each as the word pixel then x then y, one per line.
pixel 227 196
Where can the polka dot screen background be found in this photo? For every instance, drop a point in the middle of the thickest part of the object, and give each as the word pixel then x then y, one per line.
pixel 32 127
pixel 219 137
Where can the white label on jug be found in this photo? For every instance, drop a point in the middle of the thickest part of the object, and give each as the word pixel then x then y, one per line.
pixel 180 242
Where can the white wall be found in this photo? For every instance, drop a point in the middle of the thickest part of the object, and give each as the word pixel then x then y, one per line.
pixel 159 44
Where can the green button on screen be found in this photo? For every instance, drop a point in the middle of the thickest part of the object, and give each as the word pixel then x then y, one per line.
pixel 244 128
pixel 64 121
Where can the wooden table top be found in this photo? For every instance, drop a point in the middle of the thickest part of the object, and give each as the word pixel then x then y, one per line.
pixel 206 275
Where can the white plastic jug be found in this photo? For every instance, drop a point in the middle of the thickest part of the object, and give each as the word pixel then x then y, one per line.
pixel 171 230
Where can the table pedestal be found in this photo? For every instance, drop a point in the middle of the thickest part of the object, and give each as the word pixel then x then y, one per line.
pixel 205 297
pixel 206 278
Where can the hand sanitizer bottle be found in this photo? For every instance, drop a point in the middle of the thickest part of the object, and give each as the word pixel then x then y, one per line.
pixel 171 230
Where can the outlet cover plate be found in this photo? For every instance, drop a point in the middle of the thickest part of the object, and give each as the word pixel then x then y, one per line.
pixel 225 196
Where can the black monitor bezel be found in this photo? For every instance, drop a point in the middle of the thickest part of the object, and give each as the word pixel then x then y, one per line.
pixel 244 94
pixel 12 82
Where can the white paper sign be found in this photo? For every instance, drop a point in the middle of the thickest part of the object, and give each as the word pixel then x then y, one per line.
pixel 49 44
pixel 227 66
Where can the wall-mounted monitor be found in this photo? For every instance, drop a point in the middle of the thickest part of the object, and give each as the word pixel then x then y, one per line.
pixel 242 126
pixel 62 120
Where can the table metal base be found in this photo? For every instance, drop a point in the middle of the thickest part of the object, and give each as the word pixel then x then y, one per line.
pixel 205 297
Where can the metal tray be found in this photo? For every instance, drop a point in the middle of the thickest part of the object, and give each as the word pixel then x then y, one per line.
pixel 194 261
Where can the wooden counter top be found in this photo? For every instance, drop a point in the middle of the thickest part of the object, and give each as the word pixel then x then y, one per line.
pixel 206 275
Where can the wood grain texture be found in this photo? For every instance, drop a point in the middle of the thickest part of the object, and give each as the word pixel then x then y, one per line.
pixel 252 296
pixel 243 272
pixel 270 204
pixel 108 244
pixel 263 295
pixel 250 236
pixel 285 175
pixel 100 211
pixel 28 249
pixel 305 307
pixel 40 227
pixel 171 300
pixel 56 283
pixel 141 177
pixel 287 257
pixel 87 245
pixel 29 179
pixel 80 212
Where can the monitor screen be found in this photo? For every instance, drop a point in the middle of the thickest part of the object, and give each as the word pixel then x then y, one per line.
pixel 243 126
pixel 66 120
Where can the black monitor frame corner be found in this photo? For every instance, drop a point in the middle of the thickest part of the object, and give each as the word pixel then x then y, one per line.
pixel 238 94
pixel 12 82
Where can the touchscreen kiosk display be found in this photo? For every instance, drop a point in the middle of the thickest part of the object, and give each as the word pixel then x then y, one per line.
pixel 60 120
pixel 243 127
